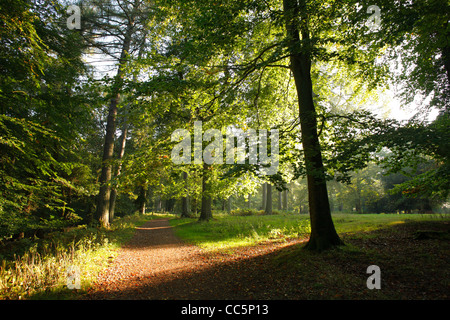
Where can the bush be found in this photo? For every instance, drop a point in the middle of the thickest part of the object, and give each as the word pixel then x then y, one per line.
pixel 246 212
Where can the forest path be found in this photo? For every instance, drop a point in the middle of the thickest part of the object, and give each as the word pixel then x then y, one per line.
pixel 156 264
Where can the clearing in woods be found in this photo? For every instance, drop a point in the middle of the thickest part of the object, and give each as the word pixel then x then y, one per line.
pixel 157 264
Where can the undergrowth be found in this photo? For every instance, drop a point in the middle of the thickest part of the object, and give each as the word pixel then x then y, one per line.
pixel 37 268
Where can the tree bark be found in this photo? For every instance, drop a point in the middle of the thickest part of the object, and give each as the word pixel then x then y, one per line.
pixel 158 205
pixel 264 193
pixel 142 200
pixel 285 199
pixel 206 210
pixel 323 233
pixel 104 196
pixel 122 143
pixel 112 200
pixel 280 200
pixel 268 207
pixel 184 200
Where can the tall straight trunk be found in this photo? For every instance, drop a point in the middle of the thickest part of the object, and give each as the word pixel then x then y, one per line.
pixel 113 197
pixel 264 194
pixel 142 200
pixel 122 143
pixel 206 210
pixel 323 233
pixel 268 207
pixel 280 200
pixel 185 199
pixel 158 205
pixel 104 196
pixel 285 199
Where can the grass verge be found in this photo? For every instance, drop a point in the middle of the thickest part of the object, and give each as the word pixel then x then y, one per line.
pixel 230 231
pixel 37 269
pixel 227 231
pixel 412 252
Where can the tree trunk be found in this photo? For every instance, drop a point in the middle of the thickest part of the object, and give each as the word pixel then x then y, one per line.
pixel 268 207
pixel 280 200
pixel 184 200
pixel 158 205
pixel 323 233
pixel 285 199
pixel 122 142
pixel 206 210
pixel 105 177
pixel 264 193
pixel 142 200
pixel 104 196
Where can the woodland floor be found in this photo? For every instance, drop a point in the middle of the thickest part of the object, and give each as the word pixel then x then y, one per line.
pixel 156 264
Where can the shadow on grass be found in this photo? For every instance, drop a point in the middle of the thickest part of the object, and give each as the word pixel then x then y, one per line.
pixel 238 231
pixel 410 269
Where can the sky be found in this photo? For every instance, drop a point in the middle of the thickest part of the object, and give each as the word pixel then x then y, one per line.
pixel 401 112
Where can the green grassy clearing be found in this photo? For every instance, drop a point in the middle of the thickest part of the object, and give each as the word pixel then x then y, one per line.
pixel 411 268
pixel 228 231
pixel 37 269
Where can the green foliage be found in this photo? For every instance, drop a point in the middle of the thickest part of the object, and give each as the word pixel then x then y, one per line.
pixel 413 38
pixel 225 63
pixel 45 114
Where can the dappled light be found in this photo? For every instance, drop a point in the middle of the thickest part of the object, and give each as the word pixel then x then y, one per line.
pixel 283 270
pixel 226 149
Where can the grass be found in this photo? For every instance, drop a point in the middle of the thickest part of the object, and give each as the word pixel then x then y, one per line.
pixel 227 231
pixel 230 231
pixel 411 268
pixel 38 269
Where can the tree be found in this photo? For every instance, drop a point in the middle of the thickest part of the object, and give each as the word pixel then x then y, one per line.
pixel 285 199
pixel 268 206
pixel 46 113
pixel 206 210
pixel 185 200
pixel 323 233
pixel 264 195
pixel 254 30
pixel 416 35
pixel 133 16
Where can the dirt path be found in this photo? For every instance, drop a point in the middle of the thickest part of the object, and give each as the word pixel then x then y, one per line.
pixel 156 264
